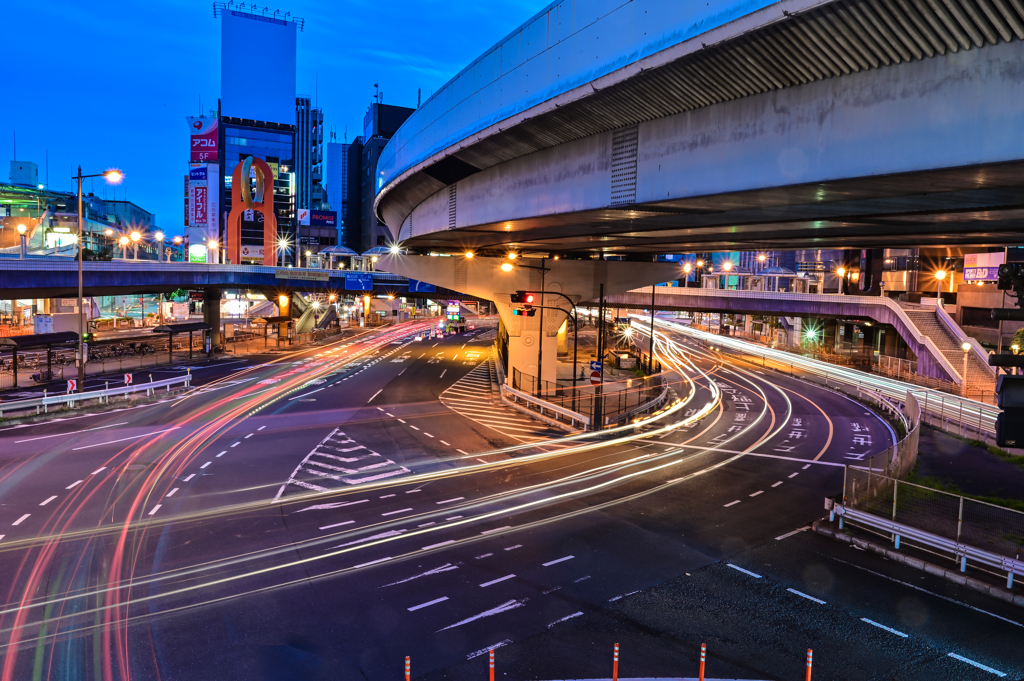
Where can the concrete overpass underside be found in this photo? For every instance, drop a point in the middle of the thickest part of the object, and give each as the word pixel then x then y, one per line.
pixel 851 124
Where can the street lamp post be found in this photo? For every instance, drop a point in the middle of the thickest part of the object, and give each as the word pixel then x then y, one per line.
pixel 159 236
pixel 135 237
pixel 967 349
pixel 841 271
pixel 123 243
pixel 21 241
pixel 939 277
pixel 112 176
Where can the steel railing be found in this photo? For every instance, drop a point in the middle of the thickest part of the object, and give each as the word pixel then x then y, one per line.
pixel 102 396
pixel 545 408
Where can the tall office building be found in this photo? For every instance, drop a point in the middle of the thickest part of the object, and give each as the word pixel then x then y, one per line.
pixel 309 153
pixel 379 125
pixel 354 195
pixel 336 183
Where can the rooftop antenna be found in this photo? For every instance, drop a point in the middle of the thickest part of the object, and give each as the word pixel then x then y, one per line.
pixel 419 96
pixel 47 170
pixel 376 93
pixel 346 134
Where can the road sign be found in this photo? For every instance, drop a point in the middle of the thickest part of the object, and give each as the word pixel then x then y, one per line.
pixel 595 378
pixel 72 385
pixel 596 366
pixel 127 379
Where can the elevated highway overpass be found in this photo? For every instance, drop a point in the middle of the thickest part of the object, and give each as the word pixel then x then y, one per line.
pixel 648 126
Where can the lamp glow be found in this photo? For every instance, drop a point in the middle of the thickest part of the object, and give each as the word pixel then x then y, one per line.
pixel 506 267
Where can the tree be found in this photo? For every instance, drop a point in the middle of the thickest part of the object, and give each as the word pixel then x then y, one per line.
pixel 1018 338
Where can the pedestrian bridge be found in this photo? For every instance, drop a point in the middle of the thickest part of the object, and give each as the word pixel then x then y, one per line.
pixel 656 126
pixel 937 344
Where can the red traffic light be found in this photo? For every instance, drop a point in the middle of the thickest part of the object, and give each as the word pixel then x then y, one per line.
pixel 528 299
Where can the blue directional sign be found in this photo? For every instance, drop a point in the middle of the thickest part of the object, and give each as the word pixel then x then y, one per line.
pixel 421 287
pixel 597 366
pixel 359 281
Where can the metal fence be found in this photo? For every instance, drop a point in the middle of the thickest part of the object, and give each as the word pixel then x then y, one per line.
pixel 615 400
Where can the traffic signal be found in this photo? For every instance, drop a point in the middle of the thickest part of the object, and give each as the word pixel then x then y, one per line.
pixel 1010 423
pixel 523 312
pixel 523 298
pixel 87 337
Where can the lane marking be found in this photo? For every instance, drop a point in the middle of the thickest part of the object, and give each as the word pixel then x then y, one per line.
pixel 977 664
pixel 248 436
pixel 496 529
pixel 806 467
pixel 171 493
pixel 567 617
pixel 396 512
pixel 449 501
pixel 760 491
pixel 261 428
pixel 413 427
pixel 401 421
pixel 155 509
pixel 428 434
pixel 557 560
pixel 443 373
pixel 732 503
pixel 222 453
pixel 790 534
pixel 236 444
pixel 882 626
pixel 48 500
pixel 803 595
pixel 483 651
pixel 444 443
pixel 499 579
pixel 190 477
pixel 347 522
pixel 22 519
pixel 794 475
pixel 777 484
pixel 462 452
pixel 205 465
pixel 74 432
pixel 372 562
pixel 74 484
pixel 374 395
pixel 442 599
pixel 746 572
pixel 124 439
pixel 434 546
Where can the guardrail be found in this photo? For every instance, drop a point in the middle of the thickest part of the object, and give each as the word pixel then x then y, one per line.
pixel 650 405
pixel 103 396
pixel 553 410
pixel 961 337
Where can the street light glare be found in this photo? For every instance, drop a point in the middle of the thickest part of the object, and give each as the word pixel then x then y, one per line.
pixel 940 275
pixel 21 229
pixel 395 249
pixel 113 176
pixel 727 266
pixel 966 347
pixel 159 236
pixel 469 254
pixel 513 255
pixel 686 268
pixel 506 267
pixel 841 271
pixel 123 241
pixel 136 236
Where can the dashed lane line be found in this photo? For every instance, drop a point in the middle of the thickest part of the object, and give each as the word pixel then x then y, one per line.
pixel 496 581
pixel 428 604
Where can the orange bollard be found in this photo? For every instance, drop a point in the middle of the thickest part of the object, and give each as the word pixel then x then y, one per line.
pixel 492 665
pixel 408 676
pixel 615 664
pixel 703 655
pixel 810 655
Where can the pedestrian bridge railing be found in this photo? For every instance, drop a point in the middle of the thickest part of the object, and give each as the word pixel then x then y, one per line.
pixel 70 400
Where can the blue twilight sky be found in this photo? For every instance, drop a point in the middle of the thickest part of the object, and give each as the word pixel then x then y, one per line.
pixel 109 84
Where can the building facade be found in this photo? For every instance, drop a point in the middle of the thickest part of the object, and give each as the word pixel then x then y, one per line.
pixel 336 184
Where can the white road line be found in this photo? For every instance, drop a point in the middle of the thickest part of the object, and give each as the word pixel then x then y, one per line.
pixel 444 443
pixel 2 536
pixel 388 496
pixel 48 500
pixel 882 626
pixel 190 477
pixel 448 501
pixel 760 491
pixel 790 534
pixel 374 395
pixel 396 512
pixel 496 529
pixel 567 617
pixel 401 421
pixel 484 651
pixel 454 517
pixel 794 475
pixel 390 414
pixel 98 470
pixel 732 503
pixel 442 599
pixel 443 373
pixel 248 436
pixel 372 562
pixel 328 527
pixel 434 546
pixel 746 572
pixel 462 452
pixel 499 579
pixel 74 484
pixel 977 664
pixel 427 524
pixel 557 560
pixel 155 509
pixel 171 493
pixel 380 409
pixel 513 548
pixel 74 432
pixel 20 520
pixel 125 439
pixel 413 427
pixel 806 467
pixel 803 595
pixel 222 453
pixel 205 464
pixel 777 484
pixel 261 428
pixel 236 444
pixel 428 435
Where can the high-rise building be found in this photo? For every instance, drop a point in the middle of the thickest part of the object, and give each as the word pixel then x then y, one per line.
pixel 336 183
pixel 309 153
pixel 379 125
pixel 354 194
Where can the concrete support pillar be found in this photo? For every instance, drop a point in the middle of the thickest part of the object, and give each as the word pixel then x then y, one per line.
pixel 211 313
pixel 830 333
pixel 579 280
pixel 867 347
pixel 563 339
pixel 748 323
pixel 892 340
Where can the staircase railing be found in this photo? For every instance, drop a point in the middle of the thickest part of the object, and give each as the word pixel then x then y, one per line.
pixel 961 338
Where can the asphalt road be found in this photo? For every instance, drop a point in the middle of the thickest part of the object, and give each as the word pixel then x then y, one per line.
pixel 320 515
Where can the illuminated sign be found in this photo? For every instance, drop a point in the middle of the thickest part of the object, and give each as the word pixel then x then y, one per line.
pixel 204 145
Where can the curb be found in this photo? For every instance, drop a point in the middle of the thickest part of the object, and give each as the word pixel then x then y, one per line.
pixel 950 575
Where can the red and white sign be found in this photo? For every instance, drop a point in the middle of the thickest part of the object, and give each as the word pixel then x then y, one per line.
pixel 204 139
pixel 72 385
pixel 127 379
pixel 252 253
pixel 304 216
pixel 595 378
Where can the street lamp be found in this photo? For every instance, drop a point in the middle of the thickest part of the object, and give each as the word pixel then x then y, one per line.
pixel 841 272
pixel 213 246
pixel 939 277
pixel 135 237
pixel 159 236
pixel 123 242
pixel 113 176
pixel 21 241
pixel 470 254
pixel 507 267
pixel 727 266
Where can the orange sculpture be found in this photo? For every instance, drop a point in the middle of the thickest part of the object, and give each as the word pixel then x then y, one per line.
pixel 243 200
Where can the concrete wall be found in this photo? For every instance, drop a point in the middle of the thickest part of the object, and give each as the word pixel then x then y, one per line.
pixel 957 110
